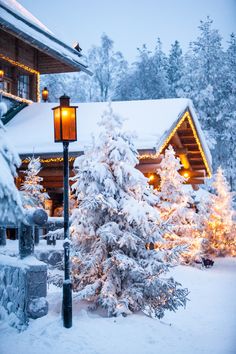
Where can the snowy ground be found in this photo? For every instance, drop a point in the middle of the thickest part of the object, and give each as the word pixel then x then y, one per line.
pixel 207 325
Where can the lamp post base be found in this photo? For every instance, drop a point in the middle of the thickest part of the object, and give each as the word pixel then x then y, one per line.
pixel 67 304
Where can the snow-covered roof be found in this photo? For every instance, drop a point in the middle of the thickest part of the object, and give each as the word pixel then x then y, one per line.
pixel 31 130
pixel 24 13
pixel 20 22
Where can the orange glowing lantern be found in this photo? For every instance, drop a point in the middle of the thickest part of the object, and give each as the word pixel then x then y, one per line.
pixel 65 121
pixel 45 94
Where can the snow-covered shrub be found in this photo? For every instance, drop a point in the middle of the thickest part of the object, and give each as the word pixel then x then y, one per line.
pixel 114 222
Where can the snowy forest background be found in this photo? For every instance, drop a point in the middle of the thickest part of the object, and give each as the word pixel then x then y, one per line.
pixel 206 73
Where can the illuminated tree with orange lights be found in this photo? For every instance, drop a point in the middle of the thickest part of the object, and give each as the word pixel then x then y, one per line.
pixel 33 194
pixel 175 206
pixel 219 227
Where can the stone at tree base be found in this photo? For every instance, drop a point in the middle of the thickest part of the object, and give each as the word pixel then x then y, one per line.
pixel 55 257
pixel 37 307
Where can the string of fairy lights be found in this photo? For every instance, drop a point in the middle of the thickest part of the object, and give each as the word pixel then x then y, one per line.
pixel 29 70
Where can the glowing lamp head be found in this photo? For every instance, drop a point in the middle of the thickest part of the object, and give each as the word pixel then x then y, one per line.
pixel 65 121
pixel 45 94
pixel 1 74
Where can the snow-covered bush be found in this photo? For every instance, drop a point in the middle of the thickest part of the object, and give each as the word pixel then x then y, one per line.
pixel 33 191
pixel 11 209
pixel 114 222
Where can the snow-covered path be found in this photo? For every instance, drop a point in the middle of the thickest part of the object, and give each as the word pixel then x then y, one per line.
pixel 207 325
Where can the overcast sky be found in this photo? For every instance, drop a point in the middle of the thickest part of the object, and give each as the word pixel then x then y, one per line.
pixel 131 23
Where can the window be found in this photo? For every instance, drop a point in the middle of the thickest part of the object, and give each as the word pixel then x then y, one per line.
pixel 7 86
pixel 23 86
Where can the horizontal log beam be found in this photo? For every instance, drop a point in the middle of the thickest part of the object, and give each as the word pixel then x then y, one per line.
pixel 192 147
pixel 53 172
pixel 193 173
pixel 150 161
pixel 195 181
pixel 147 168
pixel 185 132
pixel 188 140
pixel 196 158
pixel 181 151
pixel 198 167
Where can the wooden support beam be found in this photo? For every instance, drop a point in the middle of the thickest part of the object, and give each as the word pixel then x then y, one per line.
pixel 185 133
pixel 52 184
pixel 195 181
pixel 192 147
pixel 196 158
pixel 199 167
pixel 53 172
pixel 151 161
pixel 181 151
pixel 193 173
pixel 147 168
pixel 188 140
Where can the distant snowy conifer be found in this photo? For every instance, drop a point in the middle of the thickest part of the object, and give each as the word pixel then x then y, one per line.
pixel 11 209
pixel 114 222
pixel 33 191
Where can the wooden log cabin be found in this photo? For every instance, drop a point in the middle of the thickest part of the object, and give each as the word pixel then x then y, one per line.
pixel 157 124
pixel 28 49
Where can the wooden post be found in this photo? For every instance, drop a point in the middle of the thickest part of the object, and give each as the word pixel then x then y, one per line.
pixel 3 236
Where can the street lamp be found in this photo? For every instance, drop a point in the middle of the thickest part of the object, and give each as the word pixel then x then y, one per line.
pixel 45 94
pixel 64 132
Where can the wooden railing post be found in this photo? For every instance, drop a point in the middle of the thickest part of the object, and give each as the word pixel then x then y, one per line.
pixel 3 236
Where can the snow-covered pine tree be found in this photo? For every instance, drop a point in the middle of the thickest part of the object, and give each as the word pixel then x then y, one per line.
pixel 33 194
pixel 11 209
pixel 175 69
pixel 219 228
pixel 174 207
pixel 111 227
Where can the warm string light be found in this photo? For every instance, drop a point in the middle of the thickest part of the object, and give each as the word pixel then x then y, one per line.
pixel 17 98
pixel 60 159
pixel 51 160
pixel 154 155
pixel 199 145
pixel 188 117
pixel 26 68
pixel 149 156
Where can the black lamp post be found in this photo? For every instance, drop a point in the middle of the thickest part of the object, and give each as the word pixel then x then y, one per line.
pixel 45 94
pixel 65 131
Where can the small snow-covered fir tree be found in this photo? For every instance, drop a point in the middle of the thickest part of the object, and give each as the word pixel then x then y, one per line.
pixel 174 207
pixel 34 195
pixel 11 209
pixel 111 227
pixel 219 228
